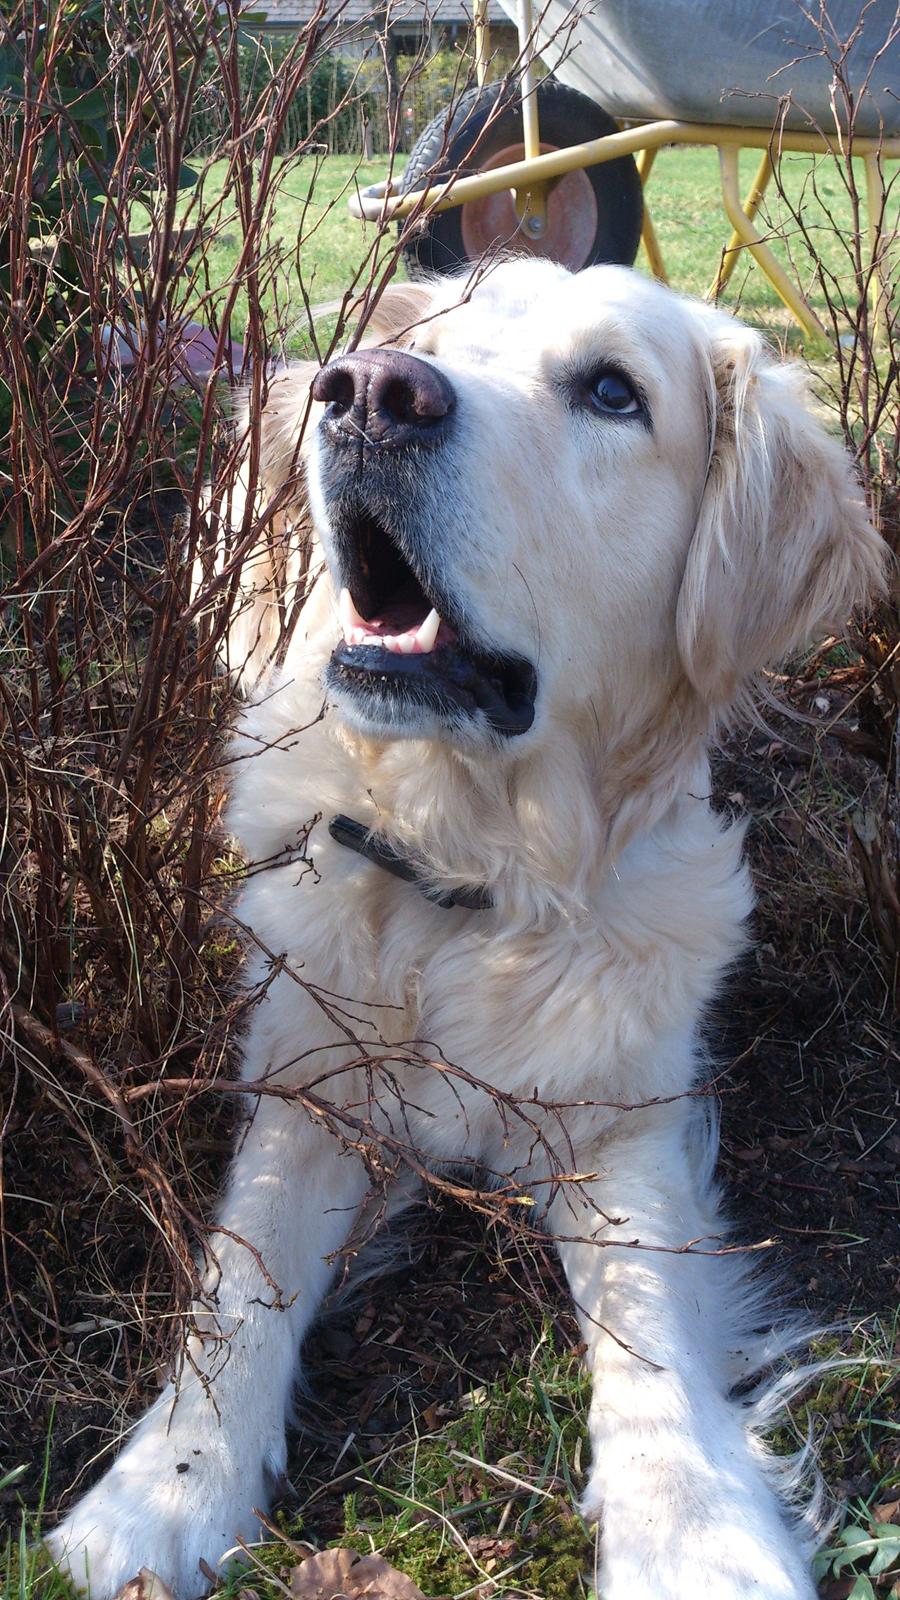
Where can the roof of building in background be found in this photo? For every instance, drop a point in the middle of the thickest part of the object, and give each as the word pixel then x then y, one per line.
pixel 401 14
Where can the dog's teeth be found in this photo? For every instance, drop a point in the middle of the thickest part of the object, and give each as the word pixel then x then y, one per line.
pixel 427 632
pixel 352 624
pixel 357 631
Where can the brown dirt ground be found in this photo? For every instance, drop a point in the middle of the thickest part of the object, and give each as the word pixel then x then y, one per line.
pixel 810 1155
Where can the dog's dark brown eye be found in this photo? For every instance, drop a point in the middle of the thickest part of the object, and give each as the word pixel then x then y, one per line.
pixel 612 394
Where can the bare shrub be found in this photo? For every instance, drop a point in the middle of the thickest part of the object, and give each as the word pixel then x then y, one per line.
pixel 856 272
pixel 116 370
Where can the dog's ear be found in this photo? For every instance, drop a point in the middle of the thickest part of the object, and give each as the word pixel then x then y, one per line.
pixel 396 313
pixel 284 419
pixel 783 549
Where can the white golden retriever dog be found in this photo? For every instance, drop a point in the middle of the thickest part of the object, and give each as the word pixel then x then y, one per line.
pixel 565 521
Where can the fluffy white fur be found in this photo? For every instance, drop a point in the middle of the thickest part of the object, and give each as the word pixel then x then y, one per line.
pixel 649 574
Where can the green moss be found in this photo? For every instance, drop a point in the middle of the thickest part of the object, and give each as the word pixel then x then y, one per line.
pixel 491 1496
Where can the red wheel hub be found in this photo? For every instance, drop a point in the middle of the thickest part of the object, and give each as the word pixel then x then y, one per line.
pixel 571 225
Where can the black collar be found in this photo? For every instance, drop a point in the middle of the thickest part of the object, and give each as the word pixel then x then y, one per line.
pixel 376 848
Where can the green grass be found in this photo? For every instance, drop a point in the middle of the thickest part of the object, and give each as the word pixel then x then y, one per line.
pixel 438 1508
pixel 487 1499
pixel 684 200
pixel 24 1568
pixel 311 239
pixel 854 1414
pixel 491 1498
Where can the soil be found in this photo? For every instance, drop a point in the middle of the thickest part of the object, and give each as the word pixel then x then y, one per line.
pixel 810 1128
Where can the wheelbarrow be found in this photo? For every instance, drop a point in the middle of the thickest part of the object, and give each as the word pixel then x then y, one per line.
pixel 559 167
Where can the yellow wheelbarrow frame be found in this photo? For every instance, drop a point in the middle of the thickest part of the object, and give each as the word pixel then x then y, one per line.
pixel 529 180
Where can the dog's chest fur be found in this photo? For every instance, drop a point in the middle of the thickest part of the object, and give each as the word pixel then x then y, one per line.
pixel 595 1000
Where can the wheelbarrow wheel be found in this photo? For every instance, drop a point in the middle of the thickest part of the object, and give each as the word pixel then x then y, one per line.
pixel 593 214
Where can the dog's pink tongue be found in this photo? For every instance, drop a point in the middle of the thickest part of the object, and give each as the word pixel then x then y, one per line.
pixel 400 618
pixel 403 620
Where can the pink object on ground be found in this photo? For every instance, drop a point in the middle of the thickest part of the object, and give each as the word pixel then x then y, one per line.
pixel 195 351
pixel 198 350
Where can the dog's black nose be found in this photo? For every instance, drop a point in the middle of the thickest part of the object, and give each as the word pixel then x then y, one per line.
pixel 384 397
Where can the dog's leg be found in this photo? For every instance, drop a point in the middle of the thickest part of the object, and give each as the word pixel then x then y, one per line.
pixel 675 1481
pixel 185 1485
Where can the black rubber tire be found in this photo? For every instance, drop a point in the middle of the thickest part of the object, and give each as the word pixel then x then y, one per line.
pixel 458 141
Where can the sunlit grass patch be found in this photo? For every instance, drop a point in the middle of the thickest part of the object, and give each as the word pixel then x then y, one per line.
pixel 483 1504
pixel 490 1500
pixel 853 1414
pixel 311 223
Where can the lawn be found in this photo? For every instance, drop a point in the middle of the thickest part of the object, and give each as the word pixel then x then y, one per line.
pixel 684 199
pixel 310 231
pixel 318 238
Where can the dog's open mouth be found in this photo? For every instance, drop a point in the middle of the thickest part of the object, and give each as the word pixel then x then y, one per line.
pixel 405 654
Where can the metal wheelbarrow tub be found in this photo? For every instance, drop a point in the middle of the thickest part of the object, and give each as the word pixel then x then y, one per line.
pixel 746 63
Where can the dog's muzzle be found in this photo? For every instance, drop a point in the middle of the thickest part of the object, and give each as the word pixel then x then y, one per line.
pixel 384 399
pixel 410 663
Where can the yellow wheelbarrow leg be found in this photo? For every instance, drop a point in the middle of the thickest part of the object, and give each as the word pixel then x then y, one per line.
pixel 750 207
pixel 482 41
pixel 530 202
pixel 649 240
pixel 879 241
pixel 796 302
pixel 531 207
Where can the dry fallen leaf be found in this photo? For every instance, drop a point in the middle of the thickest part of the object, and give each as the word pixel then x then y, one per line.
pixel 146 1586
pixel 333 1573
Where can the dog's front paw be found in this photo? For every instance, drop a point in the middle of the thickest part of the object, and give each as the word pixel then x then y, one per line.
pixel 121 1526
pixel 710 1572
pixel 172 1498
pixel 669 1547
